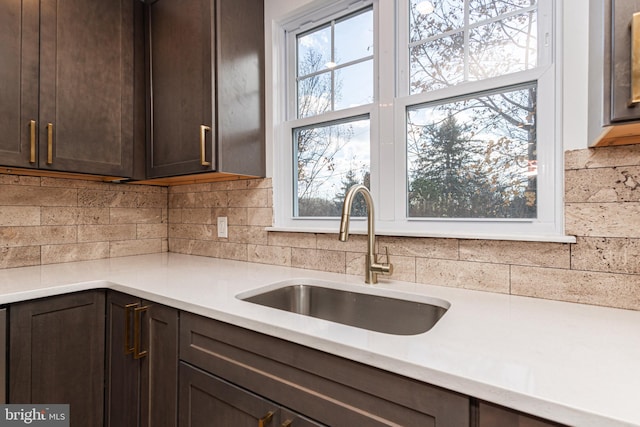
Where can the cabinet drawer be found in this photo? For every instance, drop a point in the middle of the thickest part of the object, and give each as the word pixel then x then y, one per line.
pixel 321 386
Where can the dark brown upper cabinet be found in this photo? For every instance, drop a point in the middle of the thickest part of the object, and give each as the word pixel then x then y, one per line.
pixel 614 118
pixel 70 99
pixel 206 87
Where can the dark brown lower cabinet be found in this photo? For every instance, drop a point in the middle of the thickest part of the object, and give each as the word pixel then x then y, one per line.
pixel 142 363
pixel 56 353
pixel 206 400
pixel 325 388
pixel 490 415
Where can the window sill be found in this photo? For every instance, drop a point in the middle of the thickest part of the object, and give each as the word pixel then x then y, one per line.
pixel 479 236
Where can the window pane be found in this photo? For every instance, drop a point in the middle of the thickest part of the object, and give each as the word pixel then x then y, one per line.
pixel 437 64
pixel 429 18
pixel 474 157
pixel 314 95
pixel 503 47
pixel 495 40
pixel 354 85
pixel 480 10
pixel 330 159
pixel 314 51
pixel 354 37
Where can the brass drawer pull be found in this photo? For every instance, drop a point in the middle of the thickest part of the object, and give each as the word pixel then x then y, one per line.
pixel 128 311
pixel 264 421
pixel 287 423
pixel 32 141
pixel 635 60
pixel 49 143
pixel 137 324
pixel 203 140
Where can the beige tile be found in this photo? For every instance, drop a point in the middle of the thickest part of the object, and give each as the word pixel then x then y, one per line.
pixel 134 247
pixel 404 268
pixel 106 233
pixel 253 198
pixel 273 255
pixel 355 243
pixel 20 256
pixel 260 216
pixel 74 216
pixel 175 216
pixel 74 252
pixel 294 240
pixel 613 255
pixel 612 290
pixel 105 199
pixel 135 216
pixel 246 234
pixel 621 184
pixel 31 236
pixel 313 259
pixel 180 246
pixel 192 231
pixel 182 200
pixel 513 252
pixel 19 215
pixel 420 247
pixel 217 249
pixel 7 179
pixel 355 263
pixel 196 216
pixel 16 195
pixel 603 219
pixel 151 200
pixel 463 274
pixel 217 199
pixel 602 157
pixel 151 231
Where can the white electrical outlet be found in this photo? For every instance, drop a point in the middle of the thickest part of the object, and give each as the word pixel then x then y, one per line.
pixel 222 227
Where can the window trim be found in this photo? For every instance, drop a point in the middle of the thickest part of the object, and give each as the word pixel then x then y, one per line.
pixel 388 177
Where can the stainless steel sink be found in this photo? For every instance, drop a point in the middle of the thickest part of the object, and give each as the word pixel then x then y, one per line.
pixel 372 312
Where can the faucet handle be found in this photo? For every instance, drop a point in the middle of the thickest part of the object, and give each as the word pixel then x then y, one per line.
pixel 383 267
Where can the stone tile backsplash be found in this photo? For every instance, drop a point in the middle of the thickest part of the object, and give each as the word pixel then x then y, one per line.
pixel 51 220
pixel 45 220
pixel 602 209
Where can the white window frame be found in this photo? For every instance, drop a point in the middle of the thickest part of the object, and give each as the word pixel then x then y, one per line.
pixel 388 120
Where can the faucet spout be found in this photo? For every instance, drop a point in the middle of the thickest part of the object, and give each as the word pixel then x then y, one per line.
pixel 372 267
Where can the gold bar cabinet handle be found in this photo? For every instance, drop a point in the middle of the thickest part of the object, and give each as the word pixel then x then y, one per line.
pixel 128 312
pixel 49 143
pixel 287 423
pixel 635 60
pixel 32 141
pixel 203 140
pixel 137 324
pixel 264 421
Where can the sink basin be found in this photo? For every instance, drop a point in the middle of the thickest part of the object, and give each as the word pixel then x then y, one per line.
pixel 373 312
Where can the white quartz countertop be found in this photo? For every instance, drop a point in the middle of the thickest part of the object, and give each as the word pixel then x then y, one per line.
pixel 571 363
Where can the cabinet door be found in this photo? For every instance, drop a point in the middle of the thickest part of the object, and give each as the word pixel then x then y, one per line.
pixel 206 69
pixel 18 80
pixel 490 415
pixel 180 46
pixel 87 86
pixel 622 10
pixel 56 353
pixel 141 391
pixel 159 370
pixel 123 372
pixel 206 400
